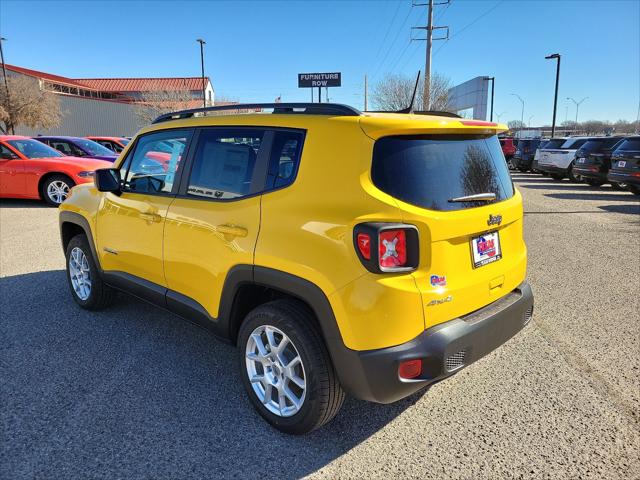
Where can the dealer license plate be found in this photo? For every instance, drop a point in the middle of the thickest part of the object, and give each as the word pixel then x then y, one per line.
pixel 622 163
pixel 486 249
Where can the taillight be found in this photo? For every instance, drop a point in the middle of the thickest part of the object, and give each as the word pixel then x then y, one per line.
pixel 387 247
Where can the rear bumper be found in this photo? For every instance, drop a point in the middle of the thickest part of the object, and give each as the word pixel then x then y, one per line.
pixel 623 177
pixel 587 173
pixel 552 169
pixel 444 350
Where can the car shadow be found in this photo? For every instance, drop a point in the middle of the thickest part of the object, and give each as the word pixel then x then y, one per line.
pixel 19 203
pixel 620 196
pixel 133 391
pixel 627 209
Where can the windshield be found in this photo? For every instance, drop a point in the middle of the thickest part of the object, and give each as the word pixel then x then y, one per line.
pixel 124 141
pixel 92 148
pixel 33 149
pixel 630 144
pixel 428 171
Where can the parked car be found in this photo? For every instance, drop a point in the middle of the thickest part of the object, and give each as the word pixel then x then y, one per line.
pixel 523 157
pixel 593 160
pixel 79 147
pixel 558 162
pixel 30 169
pixel 549 144
pixel 115 144
pixel 625 164
pixel 508 145
pixel 393 281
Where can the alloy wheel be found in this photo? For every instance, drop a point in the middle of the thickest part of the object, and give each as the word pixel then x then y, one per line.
pixel 57 191
pixel 276 371
pixel 80 273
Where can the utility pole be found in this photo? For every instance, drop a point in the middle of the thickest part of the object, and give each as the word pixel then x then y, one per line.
pixel 429 39
pixel 522 114
pixel 365 93
pixel 6 85
pixel 204 97
pixel 555 98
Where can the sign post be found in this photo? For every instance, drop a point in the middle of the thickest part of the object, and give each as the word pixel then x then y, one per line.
pixel 310 80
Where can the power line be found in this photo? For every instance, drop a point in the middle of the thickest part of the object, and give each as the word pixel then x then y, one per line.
pixel 477 19
pixel 388 29
pixel 393 43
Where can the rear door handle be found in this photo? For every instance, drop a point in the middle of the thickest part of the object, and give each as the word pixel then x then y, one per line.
pixel 232 230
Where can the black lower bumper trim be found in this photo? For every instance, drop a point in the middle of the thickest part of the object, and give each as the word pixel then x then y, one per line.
pixel 444 350
pixel 622 177
pixel 552 169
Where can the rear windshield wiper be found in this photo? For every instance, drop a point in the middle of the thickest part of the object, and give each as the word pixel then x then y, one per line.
pixel 478 197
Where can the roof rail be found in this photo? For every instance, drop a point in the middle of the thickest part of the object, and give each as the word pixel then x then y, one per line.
pixel 278 108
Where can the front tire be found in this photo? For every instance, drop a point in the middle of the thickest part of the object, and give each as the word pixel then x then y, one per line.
pixel 55 189
pixel 286 369
pixel 87 288
pixel 573 177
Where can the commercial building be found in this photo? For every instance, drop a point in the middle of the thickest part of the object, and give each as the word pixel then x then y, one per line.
pixel 110 106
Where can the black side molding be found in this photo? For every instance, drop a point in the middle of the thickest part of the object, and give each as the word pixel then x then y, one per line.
pixel 77 219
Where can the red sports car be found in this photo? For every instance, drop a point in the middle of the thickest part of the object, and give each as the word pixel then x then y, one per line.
pixel 31 169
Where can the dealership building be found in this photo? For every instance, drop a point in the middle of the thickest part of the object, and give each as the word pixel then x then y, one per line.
pixel 107 106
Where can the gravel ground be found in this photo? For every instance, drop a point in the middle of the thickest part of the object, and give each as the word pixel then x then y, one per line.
pixel 133 392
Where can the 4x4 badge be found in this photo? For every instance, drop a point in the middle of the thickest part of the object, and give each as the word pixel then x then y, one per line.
pixel 494 220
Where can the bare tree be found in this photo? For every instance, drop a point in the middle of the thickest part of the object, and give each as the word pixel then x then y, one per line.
pixel 157 102
pixel 516 125
pixel 394 92
pixel 28 105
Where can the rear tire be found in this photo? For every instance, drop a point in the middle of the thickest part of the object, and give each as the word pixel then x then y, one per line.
pixel 87 288
pixel 303 367
pixel 55 189
pixel 634 189
pixel 619 186
pixel 557 176
pixel 573 177
pixel 595 183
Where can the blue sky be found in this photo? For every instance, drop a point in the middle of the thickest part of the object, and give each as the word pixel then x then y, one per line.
pixel 255 49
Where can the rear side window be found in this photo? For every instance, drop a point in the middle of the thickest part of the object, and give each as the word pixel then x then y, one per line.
pixel 428 171
pixel 572 144
pixel 284 158
pixel 224 163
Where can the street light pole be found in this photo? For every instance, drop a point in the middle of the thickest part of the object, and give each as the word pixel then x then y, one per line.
pixel 204 97
pixel 6 84
pixel 522 114
pixel 555 98
pixel 577 106
pixel 493 87
pixel 498 115
pixel 529 122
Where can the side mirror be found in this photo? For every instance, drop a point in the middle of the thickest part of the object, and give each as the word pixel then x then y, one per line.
pixel 107 180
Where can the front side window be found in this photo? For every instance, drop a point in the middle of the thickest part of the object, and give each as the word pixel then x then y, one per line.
pixel 224 163
pixel 67 148
pixel 94 148
pixel 430 171
pixel 149 169
pixel 33 148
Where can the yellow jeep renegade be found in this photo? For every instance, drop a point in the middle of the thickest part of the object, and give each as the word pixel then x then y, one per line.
pixel 371 254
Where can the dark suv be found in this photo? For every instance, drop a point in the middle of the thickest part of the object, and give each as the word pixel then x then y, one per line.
pixel 523 157
pixel 593 160
pixel 625 164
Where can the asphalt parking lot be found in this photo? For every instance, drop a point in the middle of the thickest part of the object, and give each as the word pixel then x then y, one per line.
pixel 133 392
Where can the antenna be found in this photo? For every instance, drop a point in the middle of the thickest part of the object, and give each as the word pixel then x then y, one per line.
pixel 409 109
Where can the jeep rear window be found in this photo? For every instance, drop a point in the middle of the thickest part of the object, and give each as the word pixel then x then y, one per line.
pixel 630 144
pixel 428 171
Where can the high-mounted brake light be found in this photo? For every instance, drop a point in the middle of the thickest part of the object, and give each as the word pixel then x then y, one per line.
pixel 387 247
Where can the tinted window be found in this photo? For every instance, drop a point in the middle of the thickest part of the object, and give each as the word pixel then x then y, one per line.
pixel 598 144
pixel 94 148
pixel 284 158
pixel 224 163
pixel 124 141
pixel 6 154
pixel 147 170
pixel 630 144
pixel 67 148
pixel 428 171
pixel 554 143
pixel 574 144
pixel 33 148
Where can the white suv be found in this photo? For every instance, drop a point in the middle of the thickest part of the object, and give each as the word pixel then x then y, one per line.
pixel 558 161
